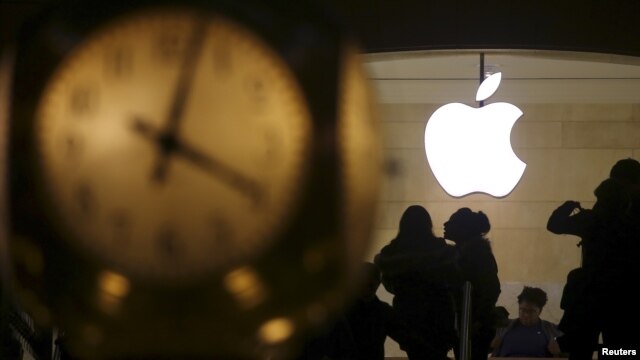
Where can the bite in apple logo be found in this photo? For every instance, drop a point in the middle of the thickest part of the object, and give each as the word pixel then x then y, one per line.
pixel 469 149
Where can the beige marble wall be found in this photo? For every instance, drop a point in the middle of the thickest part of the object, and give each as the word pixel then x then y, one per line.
pixel 568 149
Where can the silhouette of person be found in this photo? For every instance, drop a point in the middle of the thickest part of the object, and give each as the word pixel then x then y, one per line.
pixel 334 342
pixel 370 319
pixel 571 218
pixel 420 270
pixel 467 229
pixel 627 171
pixel 596 298
pixel 528 335
pixel 10 347
pixel 501 317
pixel 19 334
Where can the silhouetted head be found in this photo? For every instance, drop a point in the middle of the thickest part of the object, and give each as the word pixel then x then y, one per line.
pixel 530 303
pixel 370 281
pixel 465 224
pixel 626 170
pixel 501 315
pixel 612 198
pixel 415 221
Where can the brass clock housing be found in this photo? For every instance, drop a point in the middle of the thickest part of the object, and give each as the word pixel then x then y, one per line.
pixel 188 179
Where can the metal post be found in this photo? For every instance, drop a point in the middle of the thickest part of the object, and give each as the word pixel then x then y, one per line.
pixel 481 74
pixel 465 322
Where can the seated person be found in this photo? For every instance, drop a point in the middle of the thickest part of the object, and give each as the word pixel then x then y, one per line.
pixel 370 319
pixel 528 335
pixel 332 342
pixel 360 333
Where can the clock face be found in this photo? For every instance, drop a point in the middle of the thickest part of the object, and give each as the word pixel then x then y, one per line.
pixel 173 144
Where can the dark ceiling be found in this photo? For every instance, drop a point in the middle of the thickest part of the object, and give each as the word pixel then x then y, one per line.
pixel 384 25
pixel 594 26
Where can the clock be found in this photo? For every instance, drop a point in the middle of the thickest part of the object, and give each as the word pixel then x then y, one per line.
pixel 205 127
pixel 188 179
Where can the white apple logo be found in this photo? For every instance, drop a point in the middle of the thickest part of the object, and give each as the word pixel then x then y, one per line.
pixel 469 149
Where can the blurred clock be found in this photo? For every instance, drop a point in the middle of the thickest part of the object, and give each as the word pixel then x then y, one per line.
pixel 188 178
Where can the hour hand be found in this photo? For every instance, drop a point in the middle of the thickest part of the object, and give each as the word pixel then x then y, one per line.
pixel 165 141
pixel 143 128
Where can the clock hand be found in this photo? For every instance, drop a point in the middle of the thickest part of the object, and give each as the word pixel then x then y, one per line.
pixel 223 171
pixel 167 141
pixel 164 142
pixel 206 162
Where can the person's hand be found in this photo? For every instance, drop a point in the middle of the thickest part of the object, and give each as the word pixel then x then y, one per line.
pixel 554 347
pixel 570 204
pixel 496 342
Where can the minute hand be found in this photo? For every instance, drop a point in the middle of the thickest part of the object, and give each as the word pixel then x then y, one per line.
pixel 180 96
pixel 221 170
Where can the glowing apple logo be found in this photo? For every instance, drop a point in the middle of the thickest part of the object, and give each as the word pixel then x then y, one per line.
pixel 469 149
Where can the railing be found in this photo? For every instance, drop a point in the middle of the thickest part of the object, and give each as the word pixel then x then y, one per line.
pixel 465 322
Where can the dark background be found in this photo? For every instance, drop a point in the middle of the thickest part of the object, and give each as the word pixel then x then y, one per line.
pixel 604 26
pixel 611 26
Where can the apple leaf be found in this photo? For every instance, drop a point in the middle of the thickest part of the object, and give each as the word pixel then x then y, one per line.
pixel 488 86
